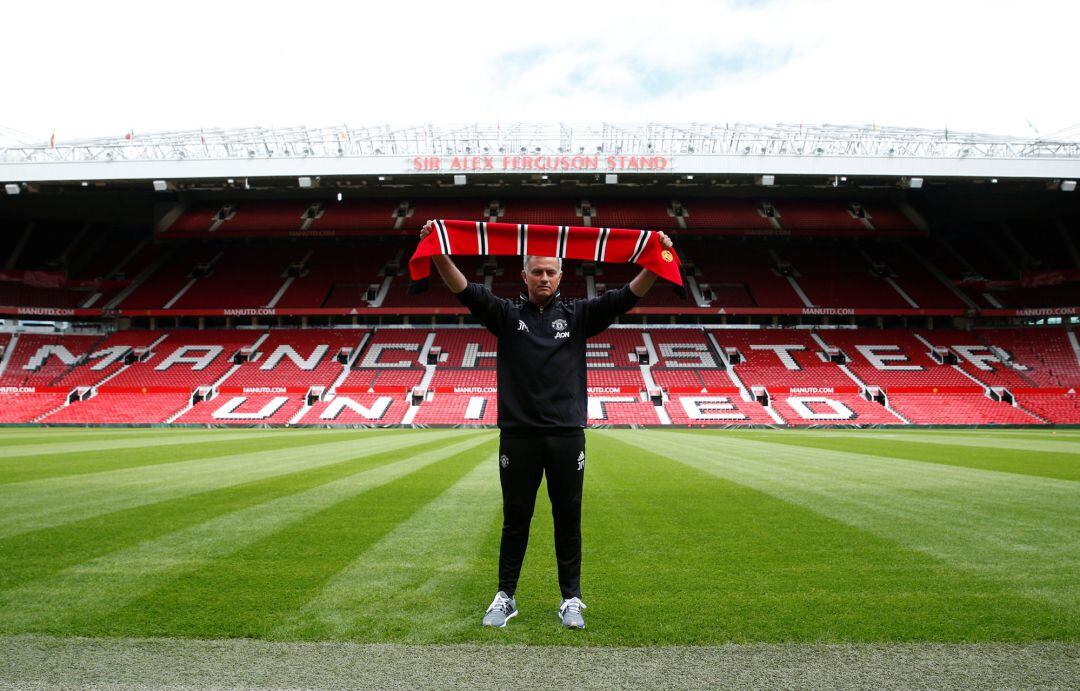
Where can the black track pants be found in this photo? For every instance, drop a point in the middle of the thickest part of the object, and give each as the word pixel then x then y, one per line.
pixel 523 461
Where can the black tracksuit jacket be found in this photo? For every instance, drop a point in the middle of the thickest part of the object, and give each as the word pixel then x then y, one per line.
pixel 541 354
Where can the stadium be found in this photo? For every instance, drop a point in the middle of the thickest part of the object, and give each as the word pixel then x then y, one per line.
pixel 852 445
pixel 836 276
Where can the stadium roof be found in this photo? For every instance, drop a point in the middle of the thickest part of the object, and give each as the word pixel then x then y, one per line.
pixel 555 148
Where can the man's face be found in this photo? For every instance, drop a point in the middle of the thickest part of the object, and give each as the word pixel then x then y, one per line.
pixel 542 278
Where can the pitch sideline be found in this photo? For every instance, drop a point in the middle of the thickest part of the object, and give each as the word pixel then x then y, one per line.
pixel 43 662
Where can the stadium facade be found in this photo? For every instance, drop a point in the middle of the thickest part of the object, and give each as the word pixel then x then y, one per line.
pixel 837 276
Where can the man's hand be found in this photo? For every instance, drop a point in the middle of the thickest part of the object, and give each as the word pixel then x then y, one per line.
pixel 643 282
pixel 426 230
pixel 452 276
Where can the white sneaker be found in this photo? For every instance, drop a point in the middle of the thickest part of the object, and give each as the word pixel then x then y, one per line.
pixel 502 609
pixel 570 613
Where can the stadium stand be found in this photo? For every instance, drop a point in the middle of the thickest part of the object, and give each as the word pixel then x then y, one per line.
pixel 114 354
pixel 119 407
pixel 938 314
pixel 632 213
pixel 982 360
pixel 780 359
pixel 178 271
pixel 742 266
pixel 28 406
pixel 893 358
pixel 559 212
pixel 830 408
pixel 721 214
pixel 1049 355
pixel 188 359
pixel 356 215
pixel 811 215
pixel 242 278
pixel 42 359
pixel 684 359
pixel 1060 407
pixel 296 358
pixel 338 275
pixel 803 376
pixel 391 359
pixel 716 409
pixel 357 409
pixel 836 276
pixel 458 409
pixel 465 348
pixel 244 409
pixel 949 408
pixel 911 277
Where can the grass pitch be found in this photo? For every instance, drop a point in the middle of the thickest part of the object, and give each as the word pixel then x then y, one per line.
pixel 690 537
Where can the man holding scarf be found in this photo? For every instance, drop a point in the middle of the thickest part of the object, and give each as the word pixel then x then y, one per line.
pixel 542 409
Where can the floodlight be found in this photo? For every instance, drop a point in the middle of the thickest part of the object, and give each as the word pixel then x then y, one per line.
pixel 459 179
pixel 1068 185
pixel 305 182
pixel 160 186
pixel 12 188
pixel 611 179
pixel 768 180
pixel 915 183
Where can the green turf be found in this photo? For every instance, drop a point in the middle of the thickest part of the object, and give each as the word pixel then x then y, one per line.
pixel 34 461
pixel 689 537
pixel 1048 459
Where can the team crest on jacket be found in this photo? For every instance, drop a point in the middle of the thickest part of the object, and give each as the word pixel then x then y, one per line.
pixel 504 460
pixel 559 325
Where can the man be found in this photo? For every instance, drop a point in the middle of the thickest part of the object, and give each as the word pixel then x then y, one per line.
pixel 542 410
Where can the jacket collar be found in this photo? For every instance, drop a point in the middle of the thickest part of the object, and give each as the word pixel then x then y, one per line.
pixel 524 298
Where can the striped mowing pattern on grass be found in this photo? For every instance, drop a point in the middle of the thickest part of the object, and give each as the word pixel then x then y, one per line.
pixel 54 501
pixel 696 538
pixel 85 592
pixel 380 591
pixel 1016 529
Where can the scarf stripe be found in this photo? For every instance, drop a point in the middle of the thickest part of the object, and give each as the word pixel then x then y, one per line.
pixel 640 246
pixel 481 238
pixel 601 244
pixel 444 237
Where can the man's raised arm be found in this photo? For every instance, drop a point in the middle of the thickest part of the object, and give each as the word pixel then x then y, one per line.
pixel 451 275
pixel 641 283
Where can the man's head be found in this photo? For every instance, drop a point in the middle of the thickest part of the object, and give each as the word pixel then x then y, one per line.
pixel 542 276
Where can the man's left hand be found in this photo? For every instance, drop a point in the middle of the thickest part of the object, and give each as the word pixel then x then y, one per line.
pixel 665 241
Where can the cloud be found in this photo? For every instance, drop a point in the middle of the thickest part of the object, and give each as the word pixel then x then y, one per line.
pixel 91 69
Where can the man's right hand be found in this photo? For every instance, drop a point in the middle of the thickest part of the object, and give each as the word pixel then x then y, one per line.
pixel 452 276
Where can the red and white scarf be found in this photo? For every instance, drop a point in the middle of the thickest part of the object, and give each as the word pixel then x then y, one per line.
pixel 641 247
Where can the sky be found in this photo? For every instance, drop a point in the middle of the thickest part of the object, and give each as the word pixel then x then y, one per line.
pixel 90 69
